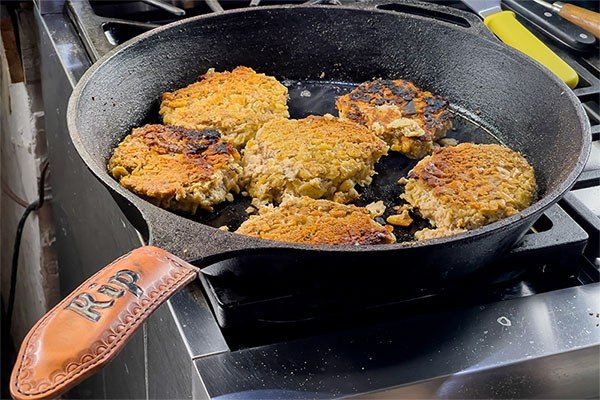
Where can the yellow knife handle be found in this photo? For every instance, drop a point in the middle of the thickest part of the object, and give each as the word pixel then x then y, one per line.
pixel 510 31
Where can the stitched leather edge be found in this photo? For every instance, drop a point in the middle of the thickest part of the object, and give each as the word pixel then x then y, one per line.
pixel 102 356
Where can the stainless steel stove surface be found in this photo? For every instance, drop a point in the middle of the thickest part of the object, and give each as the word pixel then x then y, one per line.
pixel 528 326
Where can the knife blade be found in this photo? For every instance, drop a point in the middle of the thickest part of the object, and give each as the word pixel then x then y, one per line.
pixel 484 8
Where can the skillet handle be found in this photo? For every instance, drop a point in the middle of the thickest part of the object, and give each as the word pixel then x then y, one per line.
pixel 90 326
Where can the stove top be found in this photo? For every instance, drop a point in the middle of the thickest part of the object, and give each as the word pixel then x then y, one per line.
pixel 318 336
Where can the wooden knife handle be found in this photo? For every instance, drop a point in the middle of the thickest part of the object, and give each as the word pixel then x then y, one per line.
pixel 91 325
pixel 587 19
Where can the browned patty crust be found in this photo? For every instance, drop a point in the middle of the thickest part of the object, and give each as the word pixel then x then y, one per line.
pixel 177 168
pixel 407 118
pixel 305 220
pixel 235 103
pixel 470 185
pixel 319 157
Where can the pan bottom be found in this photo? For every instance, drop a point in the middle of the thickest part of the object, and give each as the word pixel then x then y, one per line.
pixel 318 98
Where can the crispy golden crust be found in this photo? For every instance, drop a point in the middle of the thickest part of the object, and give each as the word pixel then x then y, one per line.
pixel 407 118
pixel 236 103
pixel 468 186
pixel 435 233
pixel 177 168
pixel 305 220
pixel 318 157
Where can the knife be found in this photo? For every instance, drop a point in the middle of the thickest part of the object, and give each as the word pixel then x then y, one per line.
pixel 504 24
pixel 587 19
pixel 553 26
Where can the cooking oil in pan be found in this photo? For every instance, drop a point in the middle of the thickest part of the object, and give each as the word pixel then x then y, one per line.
pixel 318 98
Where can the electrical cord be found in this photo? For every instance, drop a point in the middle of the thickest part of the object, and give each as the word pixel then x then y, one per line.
pixel 34 206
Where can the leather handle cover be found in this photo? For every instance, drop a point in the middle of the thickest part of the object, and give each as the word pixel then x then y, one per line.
pixel 587 19
pixel 91 325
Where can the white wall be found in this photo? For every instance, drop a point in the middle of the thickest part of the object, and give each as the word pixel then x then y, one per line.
pixel 23 150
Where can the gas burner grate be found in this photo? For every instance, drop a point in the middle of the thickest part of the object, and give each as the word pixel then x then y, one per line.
pixel 103 25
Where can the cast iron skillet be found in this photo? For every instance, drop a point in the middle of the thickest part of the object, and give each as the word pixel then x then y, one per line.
pixel 518 102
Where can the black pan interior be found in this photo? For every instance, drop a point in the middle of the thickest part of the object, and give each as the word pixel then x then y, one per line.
pixel 318 98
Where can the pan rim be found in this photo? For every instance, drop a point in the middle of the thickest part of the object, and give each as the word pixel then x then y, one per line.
pixel 538 207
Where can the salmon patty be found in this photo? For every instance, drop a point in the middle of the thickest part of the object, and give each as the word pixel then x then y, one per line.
pixel 407 118
pixel 177 168
pixel 305 220
pixel 467 186
pixel 235 103
pixel 318 157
